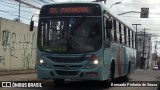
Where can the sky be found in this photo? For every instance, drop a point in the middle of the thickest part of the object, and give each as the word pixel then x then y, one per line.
pixel 9 9
pixel 151 23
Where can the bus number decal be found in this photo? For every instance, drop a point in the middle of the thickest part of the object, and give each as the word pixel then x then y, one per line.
pixel 53 10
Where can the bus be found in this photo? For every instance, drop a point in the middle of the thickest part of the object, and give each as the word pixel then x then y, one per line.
pixel 83 41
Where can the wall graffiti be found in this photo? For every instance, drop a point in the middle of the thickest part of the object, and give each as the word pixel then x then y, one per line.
pixel 8 42
pixel 17 46
pixel 2 60
pixel 28 53
pixel 28 43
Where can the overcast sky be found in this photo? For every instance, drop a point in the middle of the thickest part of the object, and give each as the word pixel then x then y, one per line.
pixel 151 23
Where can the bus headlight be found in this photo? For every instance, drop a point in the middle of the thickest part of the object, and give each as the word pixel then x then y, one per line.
pixel 43 63
pixel 94 63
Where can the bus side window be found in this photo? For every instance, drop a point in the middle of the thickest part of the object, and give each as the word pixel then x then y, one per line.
pixel 120 33
pixel 115 30
pixel 131 39
pixel 129 42
pixel 112 32
pixel 108 28
pixel 125 36
pixel 107 31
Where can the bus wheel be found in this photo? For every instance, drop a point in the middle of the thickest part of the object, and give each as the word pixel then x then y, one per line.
pixel 107 83
pixel 112 70
pixel 126 77
pixel 58 82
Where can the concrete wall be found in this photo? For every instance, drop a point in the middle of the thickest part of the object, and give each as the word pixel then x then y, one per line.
pixel 17 46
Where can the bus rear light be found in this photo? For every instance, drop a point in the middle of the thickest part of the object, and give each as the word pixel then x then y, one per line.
pixel 91 74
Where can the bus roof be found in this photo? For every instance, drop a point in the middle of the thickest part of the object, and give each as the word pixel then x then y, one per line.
pixel 116 16
pixel 103 6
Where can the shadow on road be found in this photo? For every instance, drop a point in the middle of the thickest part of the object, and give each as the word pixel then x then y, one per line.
pixel 80 85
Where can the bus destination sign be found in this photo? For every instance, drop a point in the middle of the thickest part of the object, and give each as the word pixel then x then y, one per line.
pixel 66 10
pixel 71 10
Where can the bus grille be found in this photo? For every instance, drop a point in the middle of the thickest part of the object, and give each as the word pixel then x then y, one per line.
pixel 70 67
pixel 68 59
pixel 67 73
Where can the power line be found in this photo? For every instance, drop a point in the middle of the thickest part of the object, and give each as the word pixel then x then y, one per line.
pixel 13 14
pixel 28 4
pixel 38 2
pixel 14 7
pixel 43 1
pixel 15 4
pixel 31 3
pixel 148 19
pixel 142 4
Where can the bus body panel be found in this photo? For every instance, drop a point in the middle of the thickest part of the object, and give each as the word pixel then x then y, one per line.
pixel 51 72
pixel 121 54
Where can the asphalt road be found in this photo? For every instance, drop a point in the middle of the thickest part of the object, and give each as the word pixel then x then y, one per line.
pixel 138 75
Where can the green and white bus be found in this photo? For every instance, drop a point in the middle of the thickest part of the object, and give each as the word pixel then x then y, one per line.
pixel 83 41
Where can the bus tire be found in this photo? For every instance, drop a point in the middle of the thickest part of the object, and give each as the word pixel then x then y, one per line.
pixel 107 83
pixel 126 77
pixel 112 71
pixel 58 82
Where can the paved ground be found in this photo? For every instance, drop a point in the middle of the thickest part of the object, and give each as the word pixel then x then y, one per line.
pixel 148 75
pixel 19 77
pixel 138 75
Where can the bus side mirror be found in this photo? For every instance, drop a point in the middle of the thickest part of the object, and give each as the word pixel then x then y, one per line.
pixel 31 26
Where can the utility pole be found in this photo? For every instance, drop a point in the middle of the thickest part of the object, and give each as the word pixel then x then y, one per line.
pixel 136 43
pixel 143 63
pixel 19 11
pixel 136 46
pixel 144 46
pixel 149 51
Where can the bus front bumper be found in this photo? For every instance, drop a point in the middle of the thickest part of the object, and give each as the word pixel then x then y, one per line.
pixel 78 74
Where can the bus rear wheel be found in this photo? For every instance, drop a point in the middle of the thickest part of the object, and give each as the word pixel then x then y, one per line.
pixel 112 71
pixel 126 77
pixel 58 82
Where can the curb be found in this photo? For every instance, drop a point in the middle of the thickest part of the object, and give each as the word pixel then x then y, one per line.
pixel 4 73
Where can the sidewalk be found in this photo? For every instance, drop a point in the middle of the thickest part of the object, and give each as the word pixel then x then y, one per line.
pixel 27 75
pixel 147 74
pixel 19 77
pixel 4 73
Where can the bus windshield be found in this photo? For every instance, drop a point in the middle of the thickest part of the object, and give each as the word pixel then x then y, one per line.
pixel 69 34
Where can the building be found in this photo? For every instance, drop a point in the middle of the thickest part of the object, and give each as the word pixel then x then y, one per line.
pixel 144 48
